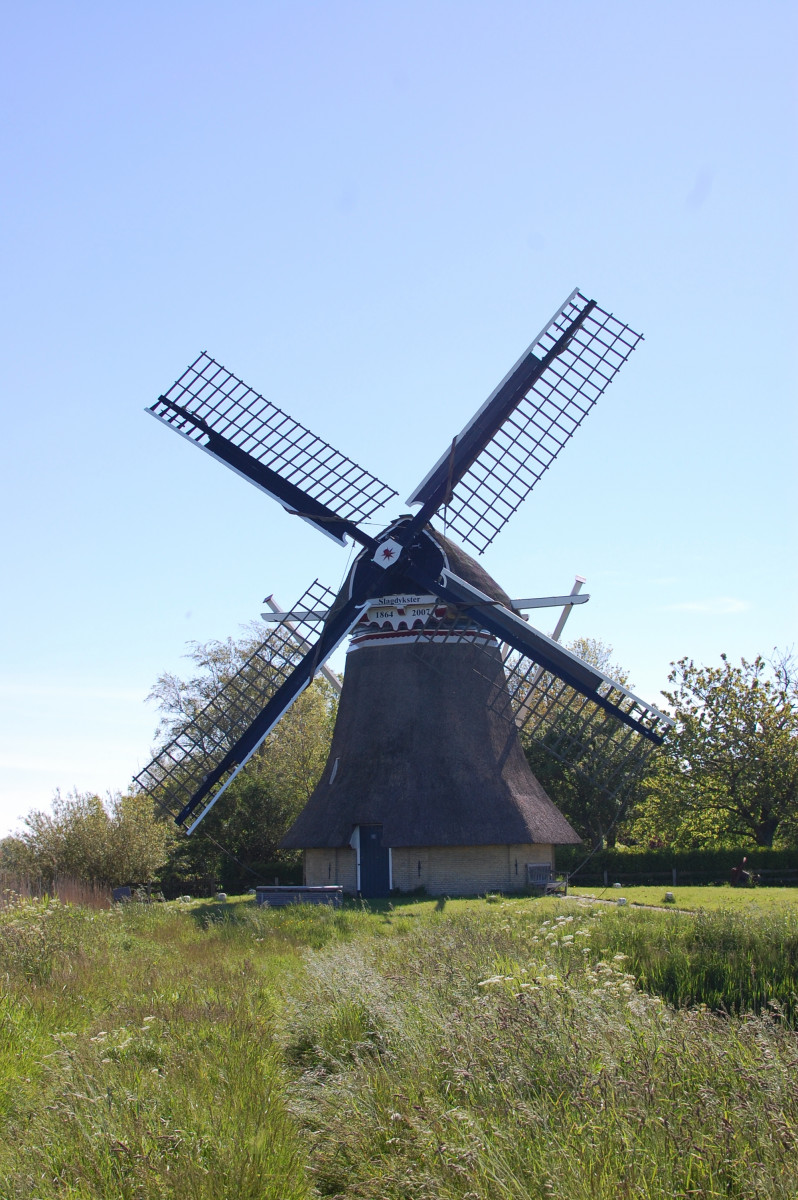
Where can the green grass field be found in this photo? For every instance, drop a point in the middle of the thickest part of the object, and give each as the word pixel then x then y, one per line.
pixel 458 1050
pixel 710 899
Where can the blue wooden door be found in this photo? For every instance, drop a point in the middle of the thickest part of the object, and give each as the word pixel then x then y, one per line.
pixel 374 873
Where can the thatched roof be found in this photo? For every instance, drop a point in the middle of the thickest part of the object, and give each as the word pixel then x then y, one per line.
pixel 469 569
pixel 421 749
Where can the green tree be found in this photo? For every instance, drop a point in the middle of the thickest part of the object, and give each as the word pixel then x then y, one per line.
pixel 113 842
pixel 732 774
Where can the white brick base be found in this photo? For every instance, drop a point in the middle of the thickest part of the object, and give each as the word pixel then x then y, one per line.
pixel 440 870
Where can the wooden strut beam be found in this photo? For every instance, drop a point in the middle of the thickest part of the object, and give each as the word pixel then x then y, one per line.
pixel 523 711
pixel 528 602
pixel 278 614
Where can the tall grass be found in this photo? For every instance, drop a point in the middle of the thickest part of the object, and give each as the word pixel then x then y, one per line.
pixel 142 1062
pixel 729 961
pixel 500 1059
pixel 67 890
pixel 469 1051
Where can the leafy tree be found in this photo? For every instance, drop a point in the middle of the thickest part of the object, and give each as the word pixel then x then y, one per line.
pixel 599 655
pixel 732 773
pixel 113 842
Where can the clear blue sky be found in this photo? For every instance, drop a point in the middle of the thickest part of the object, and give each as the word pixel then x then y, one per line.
pixel 367 211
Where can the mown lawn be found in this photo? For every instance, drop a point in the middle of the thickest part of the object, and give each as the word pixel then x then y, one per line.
pixel 711 899
pixel 425 1051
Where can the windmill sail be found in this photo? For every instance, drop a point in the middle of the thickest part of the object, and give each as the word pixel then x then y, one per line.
pixel 607 734
pixel 513 439
pixel 221 414
pixel 585 732
pixel 181 767
pixel 567 706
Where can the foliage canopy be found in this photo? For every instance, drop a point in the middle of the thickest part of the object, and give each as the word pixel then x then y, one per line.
pixel 732 770
pixel 111 842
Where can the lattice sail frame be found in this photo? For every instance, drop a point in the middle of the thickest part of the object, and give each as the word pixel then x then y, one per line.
pixel 568 725
pixel 180 767
pixel 530 439
pixel 208 391
pixel 577 731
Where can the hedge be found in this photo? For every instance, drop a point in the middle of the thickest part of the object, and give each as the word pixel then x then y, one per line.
pixel 704 865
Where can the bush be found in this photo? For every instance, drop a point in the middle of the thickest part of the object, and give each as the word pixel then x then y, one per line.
pixel 115 842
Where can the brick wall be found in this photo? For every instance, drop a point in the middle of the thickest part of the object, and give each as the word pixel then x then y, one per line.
pixel 441 870
pixel 331 866
pixel 465 870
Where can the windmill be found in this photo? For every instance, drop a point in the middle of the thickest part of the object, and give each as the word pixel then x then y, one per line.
pixel 426 783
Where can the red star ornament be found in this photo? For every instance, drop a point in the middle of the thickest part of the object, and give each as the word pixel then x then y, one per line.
pixel 387 553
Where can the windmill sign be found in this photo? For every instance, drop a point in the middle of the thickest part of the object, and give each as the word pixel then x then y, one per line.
pixel 426 783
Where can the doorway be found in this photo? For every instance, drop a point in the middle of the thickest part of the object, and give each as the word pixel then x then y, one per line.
pixel 374 863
